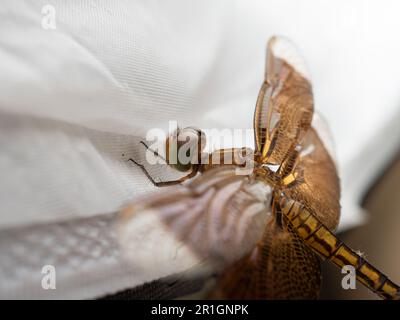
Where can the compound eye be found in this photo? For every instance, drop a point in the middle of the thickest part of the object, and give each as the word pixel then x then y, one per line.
pixel 184 148
pixel 193 136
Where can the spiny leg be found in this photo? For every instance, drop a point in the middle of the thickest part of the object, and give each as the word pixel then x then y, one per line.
pixel 142 167
pixel 169 182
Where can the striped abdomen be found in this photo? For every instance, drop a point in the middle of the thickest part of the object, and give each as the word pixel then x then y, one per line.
pixel 323 241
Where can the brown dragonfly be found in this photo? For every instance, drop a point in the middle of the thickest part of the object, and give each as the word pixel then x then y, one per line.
pixel 266 230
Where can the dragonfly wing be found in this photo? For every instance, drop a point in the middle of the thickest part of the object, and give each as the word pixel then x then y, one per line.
pixel 281 266
pixel 284 107
pixel 317 185
pixel 217 217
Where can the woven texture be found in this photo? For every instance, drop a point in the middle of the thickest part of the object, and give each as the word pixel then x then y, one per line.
pixel 75 102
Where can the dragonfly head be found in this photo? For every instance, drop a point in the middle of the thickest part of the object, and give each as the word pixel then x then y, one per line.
pixel 184 148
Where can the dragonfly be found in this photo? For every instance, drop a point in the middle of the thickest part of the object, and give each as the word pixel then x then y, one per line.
pixel 265 230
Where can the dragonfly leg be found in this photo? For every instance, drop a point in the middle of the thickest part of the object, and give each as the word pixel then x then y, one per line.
pixel 153 151
pixel 169 182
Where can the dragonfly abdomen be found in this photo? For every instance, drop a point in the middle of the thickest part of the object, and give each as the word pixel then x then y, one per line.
pixel 324 242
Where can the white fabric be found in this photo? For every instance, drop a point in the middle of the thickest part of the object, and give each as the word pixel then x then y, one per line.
pixel 75 101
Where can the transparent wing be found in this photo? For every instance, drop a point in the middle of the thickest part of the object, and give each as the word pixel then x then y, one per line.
pixel 217 217
pixel 284 107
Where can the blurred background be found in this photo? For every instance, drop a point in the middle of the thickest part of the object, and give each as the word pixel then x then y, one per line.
pixel 83 81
